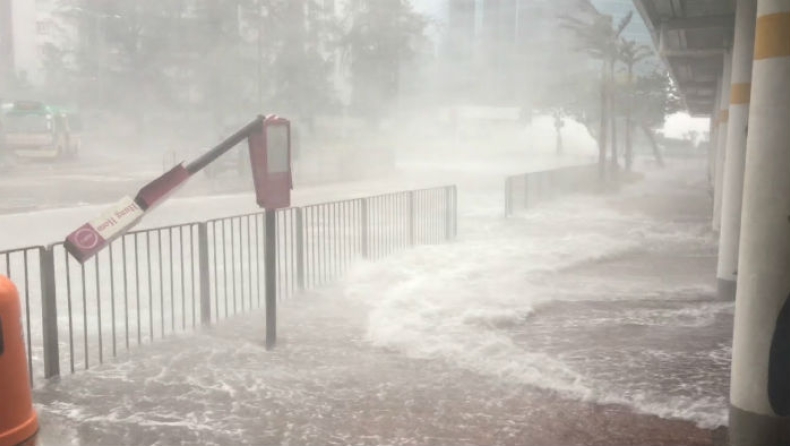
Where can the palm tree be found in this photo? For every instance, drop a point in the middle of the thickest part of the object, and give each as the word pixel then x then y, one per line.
pixel 600 39
pixel 631 54
pixel 612 93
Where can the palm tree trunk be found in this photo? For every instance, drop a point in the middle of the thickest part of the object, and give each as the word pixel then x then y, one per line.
pixel 613 118
pixel 629 150
pixel 652 140
pixel 629 145
pixel 604 124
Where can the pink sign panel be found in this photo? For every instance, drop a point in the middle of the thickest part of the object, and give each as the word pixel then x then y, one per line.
pixel 270 154
pixel 84 243
pixel 92 237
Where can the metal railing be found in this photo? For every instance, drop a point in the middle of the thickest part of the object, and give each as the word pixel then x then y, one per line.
pixel 529 189
pixel 151 284
pixel 141 288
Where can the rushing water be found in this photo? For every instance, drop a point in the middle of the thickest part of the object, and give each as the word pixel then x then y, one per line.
pixel 603 299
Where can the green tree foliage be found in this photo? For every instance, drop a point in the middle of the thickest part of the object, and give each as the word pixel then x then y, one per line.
pixel 380 36
pixel 302 58
pixel 224 57
pixel 655 97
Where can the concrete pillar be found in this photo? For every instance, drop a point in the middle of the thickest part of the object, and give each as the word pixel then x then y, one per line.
pixel 735 157
pixel 760 378
pixel 721 141
pixel 714 137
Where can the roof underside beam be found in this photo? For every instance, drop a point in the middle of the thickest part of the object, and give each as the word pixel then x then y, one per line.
pixel 692 53
pixel 691 37
pixel 725 21
pixel 697 84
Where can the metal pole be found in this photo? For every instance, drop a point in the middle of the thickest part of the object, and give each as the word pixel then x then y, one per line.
pixel 364 229
pixel 300 230
pixel 205 282
pixel 449 213
pixel 49 313
pixel 455 212
pixel 526 190
pixel 271 277
pixel 412 219
pixel 208 157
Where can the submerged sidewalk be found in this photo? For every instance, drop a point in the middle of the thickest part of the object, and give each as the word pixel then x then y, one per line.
pixel 332 380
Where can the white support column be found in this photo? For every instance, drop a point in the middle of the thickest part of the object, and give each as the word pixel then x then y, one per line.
pixel 721 141
pixel 735 157
pixel 714 137
pixel 760 378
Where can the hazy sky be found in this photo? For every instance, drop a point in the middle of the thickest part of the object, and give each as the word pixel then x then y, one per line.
pixel 679 123
pixel 431 7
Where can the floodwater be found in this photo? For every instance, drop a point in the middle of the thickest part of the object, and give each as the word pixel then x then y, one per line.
pixel 604 299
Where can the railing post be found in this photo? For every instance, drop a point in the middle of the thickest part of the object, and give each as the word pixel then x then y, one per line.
pixel 412 218
pixel 49 313
pixel 204 273
pixel 300 249
pixel 270 263
pixel 364 229
pixel 545 190
pixel 455 212
pixel 449 212
pixel 526 190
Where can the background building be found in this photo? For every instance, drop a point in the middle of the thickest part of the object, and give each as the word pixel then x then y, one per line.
pixel 636 30
pixel 27 27
pixel 19 42
pixel 6 45
pixel 495 51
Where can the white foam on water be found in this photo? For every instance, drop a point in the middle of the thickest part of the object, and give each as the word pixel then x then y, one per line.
pixel 455 302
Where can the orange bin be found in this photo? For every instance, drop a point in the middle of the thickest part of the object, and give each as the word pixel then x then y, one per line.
pixel 18 420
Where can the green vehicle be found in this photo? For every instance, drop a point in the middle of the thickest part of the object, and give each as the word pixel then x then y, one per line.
pixel 35 130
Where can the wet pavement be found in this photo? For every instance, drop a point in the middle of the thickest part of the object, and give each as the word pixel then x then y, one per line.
pixel 630 340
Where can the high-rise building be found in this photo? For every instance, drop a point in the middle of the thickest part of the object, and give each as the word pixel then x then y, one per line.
pixel 7 66
pixel 460 36
pixel 504 48
pixel 20 19
pixel 26 27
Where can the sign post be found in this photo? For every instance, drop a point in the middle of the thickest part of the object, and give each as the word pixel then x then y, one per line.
pixel 269 140
pixel 270 154
pixel 270 265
